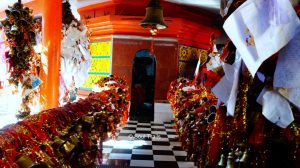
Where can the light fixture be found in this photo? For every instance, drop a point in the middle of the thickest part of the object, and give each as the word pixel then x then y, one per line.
pixel 154 17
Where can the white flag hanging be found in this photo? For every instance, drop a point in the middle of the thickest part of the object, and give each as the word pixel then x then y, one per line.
pixel 287 72
pixel 260 28
pixel 196 75
pixel 277 109
pixel 227 88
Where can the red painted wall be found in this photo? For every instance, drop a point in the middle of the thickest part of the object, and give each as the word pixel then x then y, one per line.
pixel 166 62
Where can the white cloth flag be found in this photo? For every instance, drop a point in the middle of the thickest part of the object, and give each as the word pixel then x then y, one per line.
pixel 227 88
pixel 215 62
pixel 287 72
pixel 259 99
pixel 277 109
pixel 197 68
pixel 260 28
pixel 292 94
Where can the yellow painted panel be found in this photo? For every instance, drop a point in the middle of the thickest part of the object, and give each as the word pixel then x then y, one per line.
pixel 100 48
pixel 100 65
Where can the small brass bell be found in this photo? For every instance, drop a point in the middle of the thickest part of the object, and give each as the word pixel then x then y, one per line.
pixel 238 155
pixel 7 12
pixel 244 158
pixel 74 139
pixel 221 163
pixel 4 22
pixel 24 161
pixel 64 132
pixel 78 128
pixel 14 29
pixel 88 119
pixel 68 147
pixel 58 142
pixel 18 6
pixel 230 163
pixel 15 13
pixel 22 22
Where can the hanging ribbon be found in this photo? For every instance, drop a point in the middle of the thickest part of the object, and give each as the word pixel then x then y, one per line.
pixel 152 47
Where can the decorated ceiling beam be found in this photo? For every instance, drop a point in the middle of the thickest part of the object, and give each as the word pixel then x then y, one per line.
pixel 187 32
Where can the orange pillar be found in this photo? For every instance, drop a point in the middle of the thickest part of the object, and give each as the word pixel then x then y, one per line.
pixel 52 22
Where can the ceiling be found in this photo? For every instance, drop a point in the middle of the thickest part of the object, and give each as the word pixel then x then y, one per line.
pixel 209 4
pixel 212 5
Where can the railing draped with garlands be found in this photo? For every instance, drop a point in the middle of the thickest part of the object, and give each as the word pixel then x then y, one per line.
pixel 68 136
pixel 195 111
pixel 213 139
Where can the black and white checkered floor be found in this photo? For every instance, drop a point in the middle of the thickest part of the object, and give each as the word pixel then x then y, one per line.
pixel 145 145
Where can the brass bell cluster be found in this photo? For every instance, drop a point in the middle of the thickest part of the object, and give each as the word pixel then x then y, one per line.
pixel 19 30
pixel 19 22
pixel 71 143
pixel 236 159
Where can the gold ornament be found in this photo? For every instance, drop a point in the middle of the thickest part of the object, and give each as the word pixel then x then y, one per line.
pixel 244 158
pixel 25 162
pixel 230 163
pixel 221 163
pixel 68 147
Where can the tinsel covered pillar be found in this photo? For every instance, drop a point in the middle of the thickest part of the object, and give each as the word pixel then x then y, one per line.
pixel 52 23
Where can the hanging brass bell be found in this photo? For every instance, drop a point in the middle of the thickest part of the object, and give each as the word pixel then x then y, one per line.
pixel 25 161
pixel 74 139
pixel 15 13
pixel 58 142
pixel 230 162
pixel 4 22
pixel 14 30
pixel 64 132
pixel 78 128
pixel 238 155
pixel 244 158
pixel 18 6
pixel 7 12
pixel 68 147
pixel 22 22
pixel 221 163
pixel 154 16
pixel 88 119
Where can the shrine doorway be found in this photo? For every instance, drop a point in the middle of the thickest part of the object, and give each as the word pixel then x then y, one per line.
pixel 142 89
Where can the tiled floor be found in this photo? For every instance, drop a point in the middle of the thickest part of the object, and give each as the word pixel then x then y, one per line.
pixel 145 145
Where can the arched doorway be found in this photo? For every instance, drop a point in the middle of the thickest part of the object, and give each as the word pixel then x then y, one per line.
pixel 142 89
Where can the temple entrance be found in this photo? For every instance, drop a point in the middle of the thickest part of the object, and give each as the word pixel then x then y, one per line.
pixel 142 89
